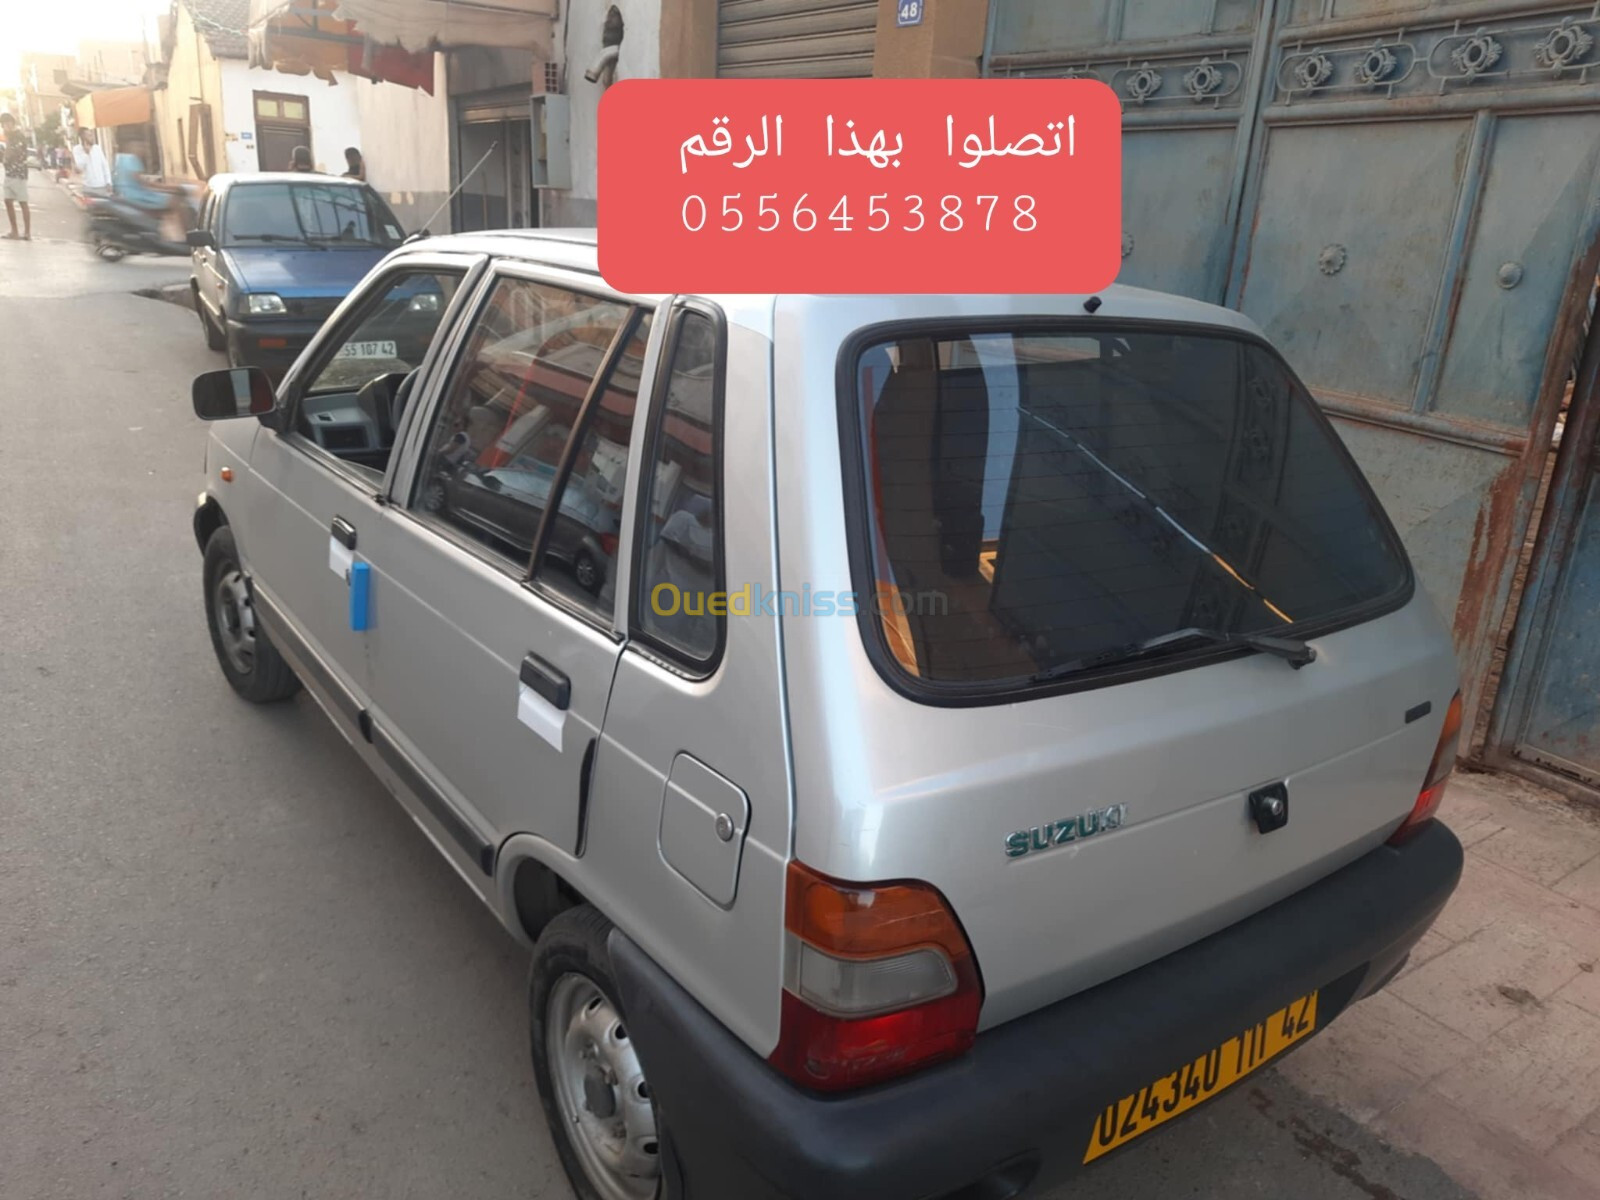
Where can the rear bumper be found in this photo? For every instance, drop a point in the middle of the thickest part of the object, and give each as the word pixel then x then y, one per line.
pixel 1020 1107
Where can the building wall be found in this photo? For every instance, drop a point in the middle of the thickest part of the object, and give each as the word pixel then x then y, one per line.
pixel 948 44
pixel 193 77
pixel 579 37
pixel 405 140
pixel 678 38
pixel 110 62
pixel 333 109
pixel 41 93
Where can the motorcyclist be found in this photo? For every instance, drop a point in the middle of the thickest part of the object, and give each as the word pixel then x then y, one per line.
pixel 161 204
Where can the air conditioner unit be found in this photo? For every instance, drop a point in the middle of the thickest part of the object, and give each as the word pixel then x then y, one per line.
pixel 551 125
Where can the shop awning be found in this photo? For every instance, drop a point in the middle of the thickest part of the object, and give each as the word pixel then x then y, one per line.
pixel 114 106
pixel 390 40
pixel 310 37
pixel 446 24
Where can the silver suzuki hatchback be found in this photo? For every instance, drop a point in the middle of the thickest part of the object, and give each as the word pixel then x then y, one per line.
pixel 927 742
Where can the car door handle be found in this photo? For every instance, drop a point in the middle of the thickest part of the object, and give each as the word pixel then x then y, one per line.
pixel 343 532
pixel 548 681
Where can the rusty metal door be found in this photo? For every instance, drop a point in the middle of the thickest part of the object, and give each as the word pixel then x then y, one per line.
pixel 1548 719
pixel 1403 194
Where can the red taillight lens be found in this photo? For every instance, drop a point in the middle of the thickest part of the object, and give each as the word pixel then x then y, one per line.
pixel 608 543
pixel 879 980
pixel 1444 761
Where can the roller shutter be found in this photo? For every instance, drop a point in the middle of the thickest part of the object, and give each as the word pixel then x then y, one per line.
pixel 770 39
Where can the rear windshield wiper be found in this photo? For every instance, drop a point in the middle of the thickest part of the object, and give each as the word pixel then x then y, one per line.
pixel 277 237
pixel 1294 651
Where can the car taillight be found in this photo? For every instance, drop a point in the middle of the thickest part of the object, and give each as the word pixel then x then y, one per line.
pixel 878 980
pixel 608 543
pixel 1444 761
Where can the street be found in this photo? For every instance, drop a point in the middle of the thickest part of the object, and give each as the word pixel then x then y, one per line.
pixel 229 964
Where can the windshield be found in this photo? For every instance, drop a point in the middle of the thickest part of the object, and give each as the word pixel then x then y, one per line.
pixel 1050 504
pixel 320 214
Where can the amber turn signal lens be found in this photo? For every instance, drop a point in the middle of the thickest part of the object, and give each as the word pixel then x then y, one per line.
pixel 1439 768
pixel 846 918
pixel 880 981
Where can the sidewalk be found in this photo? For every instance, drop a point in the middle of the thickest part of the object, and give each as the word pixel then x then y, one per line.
pixel 1484 1054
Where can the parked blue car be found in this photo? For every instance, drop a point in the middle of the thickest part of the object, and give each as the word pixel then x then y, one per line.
pixel 275 253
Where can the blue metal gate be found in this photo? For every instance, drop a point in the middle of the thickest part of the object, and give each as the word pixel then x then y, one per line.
pixel 1403 193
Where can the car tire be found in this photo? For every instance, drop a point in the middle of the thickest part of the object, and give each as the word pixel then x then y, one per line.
pixel 216 339
pixel 596 1101
pixel 588 573
pixel 250 661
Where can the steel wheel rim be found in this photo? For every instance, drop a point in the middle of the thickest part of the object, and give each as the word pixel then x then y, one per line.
pixel 593 1065
pixel 586 571
pixel 235 620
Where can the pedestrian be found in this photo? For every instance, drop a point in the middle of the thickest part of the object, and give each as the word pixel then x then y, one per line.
pixel 91 162
pixel 16 186
pixel 353 160
pixel 300 159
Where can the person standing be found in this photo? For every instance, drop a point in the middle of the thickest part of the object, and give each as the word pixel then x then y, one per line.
pixel 91 162
pixel 357 166
pixel 16 185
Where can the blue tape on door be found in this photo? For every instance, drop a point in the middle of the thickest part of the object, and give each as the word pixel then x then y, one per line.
pixel 360 575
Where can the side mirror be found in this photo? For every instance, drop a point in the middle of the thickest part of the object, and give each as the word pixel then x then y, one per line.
pixel 200 239
pixel 238 392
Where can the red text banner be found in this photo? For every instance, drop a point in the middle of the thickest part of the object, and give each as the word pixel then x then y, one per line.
pixel 868 185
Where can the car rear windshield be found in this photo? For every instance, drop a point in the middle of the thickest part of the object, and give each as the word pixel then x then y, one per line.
pixel 1053 505
pixel 318 213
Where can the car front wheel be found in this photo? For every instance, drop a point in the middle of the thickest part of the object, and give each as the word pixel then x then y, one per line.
pixel 216 339
pixel 248 659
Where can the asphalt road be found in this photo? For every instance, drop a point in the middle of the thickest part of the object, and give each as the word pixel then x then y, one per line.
pixel 229 965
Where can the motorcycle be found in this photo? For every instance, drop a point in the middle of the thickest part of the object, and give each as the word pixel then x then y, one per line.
pixel 117 228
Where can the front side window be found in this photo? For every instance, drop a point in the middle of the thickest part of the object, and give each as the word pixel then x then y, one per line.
pixel 355 400
pixel 679 604
pixel 318 214
pixel 391 335
pixel 1049 505
pixel 510 409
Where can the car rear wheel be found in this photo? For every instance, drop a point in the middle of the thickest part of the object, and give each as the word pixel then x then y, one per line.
pixel 216 339
pixel 595 1096
pixel 247 657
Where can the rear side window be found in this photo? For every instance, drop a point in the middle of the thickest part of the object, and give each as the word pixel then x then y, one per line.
pixel 678 606
pixel 1044 505
pixel 495 452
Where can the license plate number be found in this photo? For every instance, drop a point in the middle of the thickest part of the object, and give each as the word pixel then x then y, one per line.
pixel 367 350
pixel 1196 1082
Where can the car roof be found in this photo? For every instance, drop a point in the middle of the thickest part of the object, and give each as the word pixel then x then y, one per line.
pixel 576 249
pixel 232 179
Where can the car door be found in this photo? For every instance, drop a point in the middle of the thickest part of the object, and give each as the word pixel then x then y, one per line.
pixel 318 475
pixel 200 265
pixel 490 667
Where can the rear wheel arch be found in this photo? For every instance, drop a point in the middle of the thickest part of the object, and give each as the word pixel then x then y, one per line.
pixel 539 895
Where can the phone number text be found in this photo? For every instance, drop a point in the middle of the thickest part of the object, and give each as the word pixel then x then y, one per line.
pixel 878 213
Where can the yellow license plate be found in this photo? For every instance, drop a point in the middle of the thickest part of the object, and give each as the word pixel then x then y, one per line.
pixel 1196 1082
